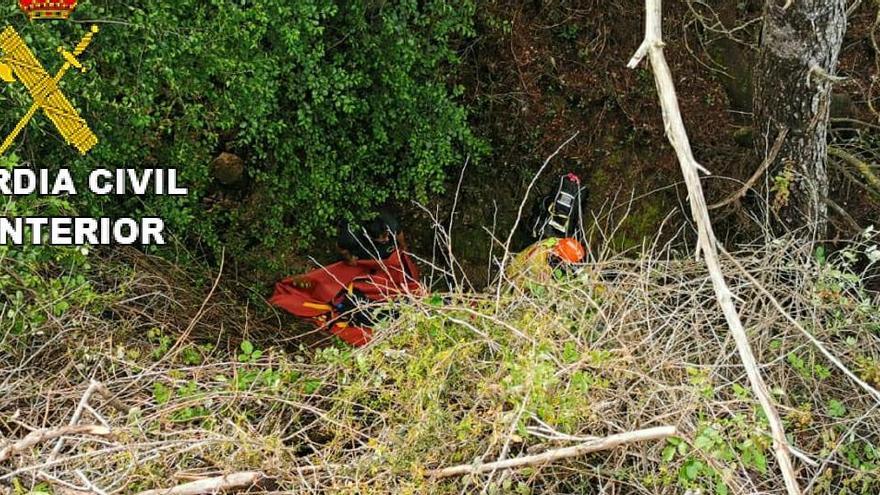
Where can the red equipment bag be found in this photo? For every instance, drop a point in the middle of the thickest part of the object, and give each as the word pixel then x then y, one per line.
pixel 379 281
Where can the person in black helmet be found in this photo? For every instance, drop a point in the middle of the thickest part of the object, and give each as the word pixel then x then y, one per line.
pixel 375 239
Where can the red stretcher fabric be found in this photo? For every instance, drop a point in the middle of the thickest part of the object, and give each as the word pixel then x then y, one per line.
pixel 379 281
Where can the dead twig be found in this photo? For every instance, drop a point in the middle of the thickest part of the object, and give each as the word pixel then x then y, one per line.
pixel 77 414
pixel 771 157
pixel 211 485
pixel 42 435
pixel 860 165
pixel 875 394
pixel 111 399
pixel 606 443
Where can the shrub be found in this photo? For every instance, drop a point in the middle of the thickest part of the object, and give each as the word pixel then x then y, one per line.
pixel 335 106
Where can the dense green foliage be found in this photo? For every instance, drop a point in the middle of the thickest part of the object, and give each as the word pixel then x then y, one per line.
pixel 38 283
pixel 335 107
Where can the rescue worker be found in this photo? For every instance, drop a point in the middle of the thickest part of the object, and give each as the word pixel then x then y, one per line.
pixel 554 229
pixel 538 263
pixel 376 239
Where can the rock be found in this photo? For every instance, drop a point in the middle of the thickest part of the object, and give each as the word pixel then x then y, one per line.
pixel 227 168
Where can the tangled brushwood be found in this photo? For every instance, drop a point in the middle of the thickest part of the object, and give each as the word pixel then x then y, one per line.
pixel 619 379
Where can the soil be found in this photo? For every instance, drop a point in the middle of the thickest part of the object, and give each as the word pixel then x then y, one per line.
pixel 542 71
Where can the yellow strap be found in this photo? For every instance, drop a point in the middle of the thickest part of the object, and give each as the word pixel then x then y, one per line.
pixel 325 307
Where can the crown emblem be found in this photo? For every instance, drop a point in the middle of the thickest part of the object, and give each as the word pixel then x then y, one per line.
pixel 47 9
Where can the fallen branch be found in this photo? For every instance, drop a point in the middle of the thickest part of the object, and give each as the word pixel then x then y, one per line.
pixel 652 46
pixel 606 443
pixel 860 165
pixel 843 214
pixel 112 399
pixel 211 485
pixel 771 157
pixel 77 414
pixel 875 394
pixel 38 436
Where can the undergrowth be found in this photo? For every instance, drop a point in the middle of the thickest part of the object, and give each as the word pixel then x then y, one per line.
pixel 215 387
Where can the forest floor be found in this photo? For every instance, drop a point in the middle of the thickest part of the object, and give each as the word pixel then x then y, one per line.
pixel 543 71
pixel 203 379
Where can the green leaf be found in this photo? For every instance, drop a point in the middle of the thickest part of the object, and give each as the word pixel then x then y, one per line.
pixel 835 408
pixel 820 255
pixel 247 347
pixel 310 386
pixel 703 442
pixel 692 469
pixel 570 353
pixel 668 453
pixel 161 393
pixel 760 461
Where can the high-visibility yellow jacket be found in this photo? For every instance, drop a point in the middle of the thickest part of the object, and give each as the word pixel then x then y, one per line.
pixel 533 263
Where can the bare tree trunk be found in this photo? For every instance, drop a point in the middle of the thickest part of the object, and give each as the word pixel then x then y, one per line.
pixel 801 40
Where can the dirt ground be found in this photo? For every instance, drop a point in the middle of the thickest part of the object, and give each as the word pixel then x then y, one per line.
pixel 541 71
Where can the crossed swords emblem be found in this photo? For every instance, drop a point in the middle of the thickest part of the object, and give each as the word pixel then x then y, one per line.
pixel 18 62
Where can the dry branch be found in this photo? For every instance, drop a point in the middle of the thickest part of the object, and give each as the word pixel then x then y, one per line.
pixel 652 46
pixel 211 485
pixel 771 157
pixel 860 165
pixel 606 443
pixel 38 436
pixel 873 392
pixel 112 399
pixel 77 414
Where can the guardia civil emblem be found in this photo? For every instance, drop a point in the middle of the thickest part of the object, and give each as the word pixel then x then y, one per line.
pixel 18 64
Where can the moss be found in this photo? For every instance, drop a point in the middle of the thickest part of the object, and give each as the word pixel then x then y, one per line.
pixel 622 169
pixel 744 136
pixel 642 223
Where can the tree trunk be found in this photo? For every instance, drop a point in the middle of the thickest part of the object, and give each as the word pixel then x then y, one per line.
pixel 800 43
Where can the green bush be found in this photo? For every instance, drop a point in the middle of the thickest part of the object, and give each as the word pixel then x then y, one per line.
pixel 38 283
pixel 335 107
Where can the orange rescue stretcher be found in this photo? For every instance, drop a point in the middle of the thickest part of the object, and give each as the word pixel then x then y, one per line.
pixel 326 299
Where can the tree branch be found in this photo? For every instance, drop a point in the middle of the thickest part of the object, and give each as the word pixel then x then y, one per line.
pixel 211 485
pixel 771 157
pixel 706 241
pixel 606 443
pixel 860 165
pixel 38 436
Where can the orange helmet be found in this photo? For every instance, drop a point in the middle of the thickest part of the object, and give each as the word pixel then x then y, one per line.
pixel 569 250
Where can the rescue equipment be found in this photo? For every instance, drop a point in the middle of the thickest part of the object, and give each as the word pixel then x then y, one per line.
pixel 338 296
pixel 559 214
pixel 569 250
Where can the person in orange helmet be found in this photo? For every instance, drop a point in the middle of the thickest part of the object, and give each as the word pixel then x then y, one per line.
pixel 568 250
pixel 539 262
